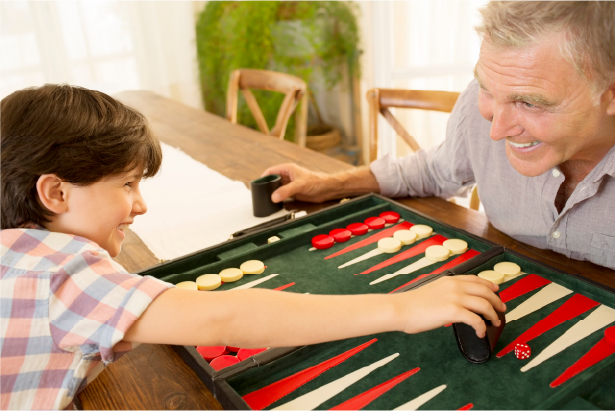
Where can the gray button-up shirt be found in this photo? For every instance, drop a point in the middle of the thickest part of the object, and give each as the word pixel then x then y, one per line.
pixel 522 207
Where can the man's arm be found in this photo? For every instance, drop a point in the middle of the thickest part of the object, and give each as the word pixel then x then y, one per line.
pixel 306 185
pixel 443 171
pixel 265 318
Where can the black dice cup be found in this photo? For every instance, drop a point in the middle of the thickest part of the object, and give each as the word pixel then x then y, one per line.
pixel 262 189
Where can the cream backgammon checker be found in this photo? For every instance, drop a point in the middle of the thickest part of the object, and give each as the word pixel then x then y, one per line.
pixel 187 285
pixel 433 254
pixel 230 275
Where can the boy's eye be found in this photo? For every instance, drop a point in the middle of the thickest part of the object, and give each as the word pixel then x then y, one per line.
pixel 129 184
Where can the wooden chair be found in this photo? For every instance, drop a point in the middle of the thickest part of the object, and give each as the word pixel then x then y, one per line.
pixel 381 99
pixel 293 87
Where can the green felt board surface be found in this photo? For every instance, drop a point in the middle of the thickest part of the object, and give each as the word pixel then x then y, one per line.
pixel 291 259
pixel 498 384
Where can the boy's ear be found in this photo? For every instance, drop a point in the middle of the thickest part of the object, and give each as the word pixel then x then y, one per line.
pixel 52 193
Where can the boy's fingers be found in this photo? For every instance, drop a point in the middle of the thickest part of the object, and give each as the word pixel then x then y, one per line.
pixel 481 306
pixel 479 290
pixel 473 321
pixel 478 280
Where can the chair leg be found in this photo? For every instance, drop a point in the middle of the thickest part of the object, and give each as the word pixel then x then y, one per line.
pixel 301 122
pixel 474 199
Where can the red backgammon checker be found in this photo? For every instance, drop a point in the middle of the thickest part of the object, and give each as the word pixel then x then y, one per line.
pixel 358 228
pixel 340 235
pixel 323 241
pixel 223 361
pixel 209 353
pixel 248 352
pixel 390 217
pixel 375 223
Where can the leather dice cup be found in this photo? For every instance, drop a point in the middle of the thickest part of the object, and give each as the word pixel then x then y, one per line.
pixel 261 189
pixel 478 350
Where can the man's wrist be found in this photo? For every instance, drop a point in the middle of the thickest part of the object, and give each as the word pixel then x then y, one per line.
pixel 352 183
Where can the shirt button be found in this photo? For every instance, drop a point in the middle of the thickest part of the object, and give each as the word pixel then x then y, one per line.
pixel 556 234
pixel 556 173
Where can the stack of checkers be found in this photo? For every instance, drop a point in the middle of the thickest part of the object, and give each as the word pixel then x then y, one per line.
pixel 501 273
pixel 221 357
pixel 208 282
pixel 340 235
pixel 523 351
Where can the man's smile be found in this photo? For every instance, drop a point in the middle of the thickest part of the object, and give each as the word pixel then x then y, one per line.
pixel 526 145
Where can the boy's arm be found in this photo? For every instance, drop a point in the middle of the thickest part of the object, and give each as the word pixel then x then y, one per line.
pixel 265 318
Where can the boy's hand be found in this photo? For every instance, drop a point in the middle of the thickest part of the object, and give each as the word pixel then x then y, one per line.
pixel 457 299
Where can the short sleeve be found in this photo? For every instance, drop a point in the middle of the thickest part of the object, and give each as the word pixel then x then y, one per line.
pixel 93 302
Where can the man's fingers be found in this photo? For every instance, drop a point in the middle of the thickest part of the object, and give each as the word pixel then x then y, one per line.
pixel 281 169
pixel 282 193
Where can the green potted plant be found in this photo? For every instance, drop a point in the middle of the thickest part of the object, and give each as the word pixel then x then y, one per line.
pixel 309 39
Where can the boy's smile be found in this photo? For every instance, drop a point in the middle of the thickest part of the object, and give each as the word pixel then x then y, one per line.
pixel 101 211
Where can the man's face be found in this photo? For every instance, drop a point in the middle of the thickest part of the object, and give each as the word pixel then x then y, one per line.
pixel 544 109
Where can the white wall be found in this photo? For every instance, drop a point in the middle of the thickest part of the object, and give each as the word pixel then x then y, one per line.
pixel 104 45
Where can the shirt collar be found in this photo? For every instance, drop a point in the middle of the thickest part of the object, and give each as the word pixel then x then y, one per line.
pixel 605 166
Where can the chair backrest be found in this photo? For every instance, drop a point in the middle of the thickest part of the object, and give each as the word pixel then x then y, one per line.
pixel 381 99
pixel 245 79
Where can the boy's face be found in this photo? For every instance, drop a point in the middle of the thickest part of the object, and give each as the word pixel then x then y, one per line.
pixel 101 211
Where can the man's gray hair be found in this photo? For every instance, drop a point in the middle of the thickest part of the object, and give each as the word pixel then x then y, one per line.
pixel 588 28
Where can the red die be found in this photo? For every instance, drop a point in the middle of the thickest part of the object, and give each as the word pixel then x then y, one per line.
pixel 523 351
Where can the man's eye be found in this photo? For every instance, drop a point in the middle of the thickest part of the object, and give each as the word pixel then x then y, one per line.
pixel 529 105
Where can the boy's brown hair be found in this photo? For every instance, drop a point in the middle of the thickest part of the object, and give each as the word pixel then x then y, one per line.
pixel 80 135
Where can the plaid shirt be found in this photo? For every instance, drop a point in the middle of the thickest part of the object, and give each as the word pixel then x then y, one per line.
pixel 65 308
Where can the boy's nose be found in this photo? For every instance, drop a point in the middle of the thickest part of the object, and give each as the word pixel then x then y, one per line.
pixel 139 206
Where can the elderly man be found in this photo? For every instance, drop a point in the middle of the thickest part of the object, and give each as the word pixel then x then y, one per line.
pixel 535 131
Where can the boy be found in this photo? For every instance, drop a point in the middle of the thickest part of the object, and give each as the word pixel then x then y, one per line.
pixel 72 161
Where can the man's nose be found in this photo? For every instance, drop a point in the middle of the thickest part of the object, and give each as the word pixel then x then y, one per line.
pixel 503 122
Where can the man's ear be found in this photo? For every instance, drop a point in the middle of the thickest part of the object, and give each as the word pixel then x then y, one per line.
pixel 52 193
pixel 610 94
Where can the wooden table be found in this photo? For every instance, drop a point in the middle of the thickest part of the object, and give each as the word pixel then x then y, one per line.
pixel 153 376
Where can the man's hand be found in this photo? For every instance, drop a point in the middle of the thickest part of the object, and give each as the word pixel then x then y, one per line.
pixel 457 299
pixel 313 187
pixel 300 183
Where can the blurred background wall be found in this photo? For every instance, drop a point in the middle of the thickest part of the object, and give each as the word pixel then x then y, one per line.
pixel 150 45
